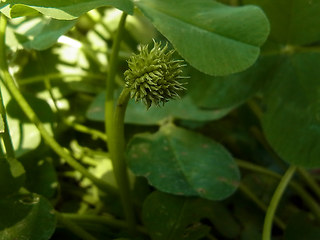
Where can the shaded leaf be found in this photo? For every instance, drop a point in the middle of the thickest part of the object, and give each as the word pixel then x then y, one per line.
pixel 12 176
pixel 41 33
pixel 292 21
pixel 301 228
pixel 41 177
pixel 172 217
pixel 25 135
pixel 214 38
pixel 62 9
pixel 137 113
pixel 182 162
pixel 291 120
pixel 169 217
pixel 26 217
pixel 232 90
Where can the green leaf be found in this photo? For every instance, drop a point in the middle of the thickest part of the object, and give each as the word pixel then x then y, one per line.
pixel 2 130
pixel 214 38
pixel 229 91
pixel 26 217
pixel 137 113
pixel 41 33
pixel 25 135
pixel 181 162
pixel 169 217
pixel 291 120
pixel 292 21
pixel 12 176
pixel 41 177
pixel 63 9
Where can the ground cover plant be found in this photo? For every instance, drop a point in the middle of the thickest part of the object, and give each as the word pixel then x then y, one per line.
pixel 159 119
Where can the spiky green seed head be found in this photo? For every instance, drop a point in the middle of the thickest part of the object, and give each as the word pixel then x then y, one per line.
pixel 153 76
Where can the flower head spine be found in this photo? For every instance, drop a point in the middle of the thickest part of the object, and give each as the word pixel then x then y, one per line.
pixel 153 76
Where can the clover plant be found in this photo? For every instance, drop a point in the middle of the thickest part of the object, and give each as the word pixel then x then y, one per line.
pixel 159 119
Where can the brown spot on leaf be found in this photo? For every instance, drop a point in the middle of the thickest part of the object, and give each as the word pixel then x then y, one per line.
pixel 201 191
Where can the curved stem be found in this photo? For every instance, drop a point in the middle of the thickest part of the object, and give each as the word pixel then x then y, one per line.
pixel 267 228
pixel 28 111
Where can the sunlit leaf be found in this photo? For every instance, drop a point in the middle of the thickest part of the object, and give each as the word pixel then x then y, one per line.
pixel 214 38
pixel 62 9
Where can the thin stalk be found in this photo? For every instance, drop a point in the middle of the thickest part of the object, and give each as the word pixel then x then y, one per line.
pixel 267 227
pixel 106 220
pixel 28 111
pixel 260 204
pixel 58 76
pixel 6 134
pixel 74 228
pixel 114 124
pixel 310 181
pixel 85 129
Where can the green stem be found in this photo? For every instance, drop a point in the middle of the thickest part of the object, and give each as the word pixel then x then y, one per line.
pixel 260 204
pixel 36 121
pixel 74 228
pixel 109 103
pixel 267 228
pixel 310 181
pixel 114 124
pixel 116 145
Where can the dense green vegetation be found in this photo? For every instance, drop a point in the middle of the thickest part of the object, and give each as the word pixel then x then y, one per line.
pixel 235 156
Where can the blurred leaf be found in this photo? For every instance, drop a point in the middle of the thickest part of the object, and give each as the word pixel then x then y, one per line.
pixel 214 38
pixel 232 90
pixel 169 217
pixel 137 113
pixel 292 21
pixel 41 33
pixel 182 162
pixel 291 121
pixel 62 9
pixel 25 135
pixel 12 176
pixel 301 228
pixel 26 217
pixel 41 177
pixel 2 129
